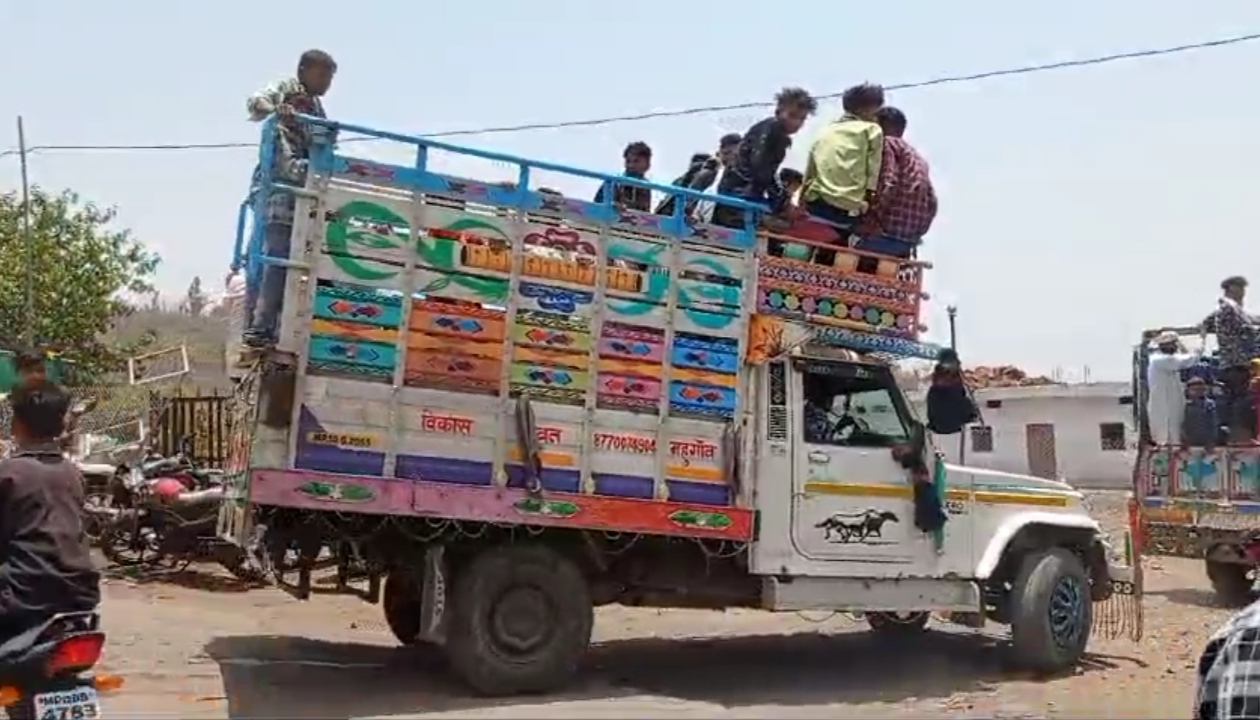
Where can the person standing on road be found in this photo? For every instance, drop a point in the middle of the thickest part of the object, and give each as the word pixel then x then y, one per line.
pixel 1166 394
pixel 304 94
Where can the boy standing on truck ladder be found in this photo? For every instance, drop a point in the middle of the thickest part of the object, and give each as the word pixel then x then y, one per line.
pixel 753 177
pixel 286 98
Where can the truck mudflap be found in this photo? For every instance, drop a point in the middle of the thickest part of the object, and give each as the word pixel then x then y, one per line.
pixel 1119 611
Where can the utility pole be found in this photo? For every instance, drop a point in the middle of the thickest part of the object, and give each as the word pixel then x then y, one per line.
pixel 952 311
pixel 28 244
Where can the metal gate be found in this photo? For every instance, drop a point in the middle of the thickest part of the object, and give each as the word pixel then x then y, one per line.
pixel 1039 442
pixel 200 418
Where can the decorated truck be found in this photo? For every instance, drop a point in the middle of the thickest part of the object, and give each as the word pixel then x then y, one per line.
pixel 494 409
pixel 1189 501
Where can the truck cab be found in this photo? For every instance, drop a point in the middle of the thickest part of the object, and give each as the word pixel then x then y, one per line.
pixel 479 387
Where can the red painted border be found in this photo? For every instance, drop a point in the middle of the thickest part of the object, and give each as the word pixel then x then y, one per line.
pixel 389 496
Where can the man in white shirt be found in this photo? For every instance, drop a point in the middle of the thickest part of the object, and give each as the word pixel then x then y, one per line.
pixel 1166 394
pixel 727 147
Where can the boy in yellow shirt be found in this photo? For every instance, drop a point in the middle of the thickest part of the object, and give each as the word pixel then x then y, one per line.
pixel 842 174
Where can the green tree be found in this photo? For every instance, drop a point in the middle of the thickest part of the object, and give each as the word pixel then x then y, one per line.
pixel 80 269
pixel 195 300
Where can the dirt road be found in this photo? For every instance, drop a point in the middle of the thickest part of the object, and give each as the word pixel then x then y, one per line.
pixel 225 652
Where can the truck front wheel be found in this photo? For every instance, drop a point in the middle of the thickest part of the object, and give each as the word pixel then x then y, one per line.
pixel 1051 611
pixel 898 623
pixel 520 620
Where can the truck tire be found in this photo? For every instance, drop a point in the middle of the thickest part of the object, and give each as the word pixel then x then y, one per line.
pixel 1231 582
pixel 898 623
pixel 400 599
pixel 520 620
pixel 1051 611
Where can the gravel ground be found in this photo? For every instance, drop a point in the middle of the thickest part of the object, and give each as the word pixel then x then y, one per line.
pixel 206 648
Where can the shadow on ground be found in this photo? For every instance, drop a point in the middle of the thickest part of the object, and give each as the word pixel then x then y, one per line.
pixel 1198 597
pixel 190 578
pixel 273 676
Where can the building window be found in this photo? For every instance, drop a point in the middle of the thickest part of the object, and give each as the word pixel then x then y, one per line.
pixel 981 439
pixel 1111 435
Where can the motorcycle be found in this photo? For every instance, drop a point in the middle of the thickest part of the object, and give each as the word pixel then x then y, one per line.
pixel 105 485
pixel 165 512
pixel 43 671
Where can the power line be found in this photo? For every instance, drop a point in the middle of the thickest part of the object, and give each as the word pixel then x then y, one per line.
pixel 699 110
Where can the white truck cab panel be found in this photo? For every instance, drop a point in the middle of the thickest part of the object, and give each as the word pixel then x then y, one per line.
pixel 834 502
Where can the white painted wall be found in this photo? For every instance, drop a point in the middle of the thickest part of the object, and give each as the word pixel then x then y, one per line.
pixel 1076 411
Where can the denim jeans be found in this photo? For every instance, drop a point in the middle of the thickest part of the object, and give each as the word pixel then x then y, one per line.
pixel 265 311
pixel 887 245
pixel 827 212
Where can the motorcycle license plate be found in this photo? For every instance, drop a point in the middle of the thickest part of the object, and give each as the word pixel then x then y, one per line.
pixel 81 703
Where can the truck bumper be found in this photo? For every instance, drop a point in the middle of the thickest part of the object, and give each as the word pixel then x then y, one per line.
pixel 1120 613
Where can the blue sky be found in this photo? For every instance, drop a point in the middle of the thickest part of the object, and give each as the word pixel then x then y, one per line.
pixel 1077 207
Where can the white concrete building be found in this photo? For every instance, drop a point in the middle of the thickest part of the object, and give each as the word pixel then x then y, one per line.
pixel 1082 433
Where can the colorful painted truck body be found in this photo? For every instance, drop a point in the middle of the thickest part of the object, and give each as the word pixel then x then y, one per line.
pixel 460 360
pixel 1196 502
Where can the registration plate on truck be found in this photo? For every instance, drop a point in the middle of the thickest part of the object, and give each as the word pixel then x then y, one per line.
pixel 81 703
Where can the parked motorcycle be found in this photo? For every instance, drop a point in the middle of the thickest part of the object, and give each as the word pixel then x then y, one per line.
pixel 102 483
pixel 162 522
pixel 164 511
pixel 43 672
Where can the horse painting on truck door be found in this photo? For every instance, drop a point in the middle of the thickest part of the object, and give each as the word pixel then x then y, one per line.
pixel 850 496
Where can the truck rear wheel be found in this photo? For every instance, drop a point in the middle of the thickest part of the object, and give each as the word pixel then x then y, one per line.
pixel 400 600
pixel 1231 582
pixel 520 620
pixel 1051 611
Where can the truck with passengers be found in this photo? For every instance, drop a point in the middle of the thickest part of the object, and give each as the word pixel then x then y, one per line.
pixel 494 409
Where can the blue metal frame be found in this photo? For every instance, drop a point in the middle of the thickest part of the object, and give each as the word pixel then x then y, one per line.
pixel 323 159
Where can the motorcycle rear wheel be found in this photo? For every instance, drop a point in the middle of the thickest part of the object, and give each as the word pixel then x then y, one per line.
pixel 122 548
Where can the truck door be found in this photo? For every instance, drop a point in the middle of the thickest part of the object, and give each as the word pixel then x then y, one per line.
pixel 851 500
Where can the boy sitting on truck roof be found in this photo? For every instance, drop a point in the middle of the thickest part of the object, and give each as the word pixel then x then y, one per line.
pixel 905 204
pixel 753 175
pixel 638 160
pixel 842 175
